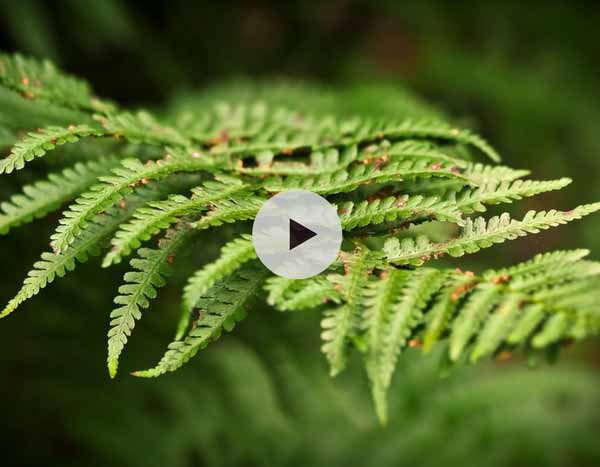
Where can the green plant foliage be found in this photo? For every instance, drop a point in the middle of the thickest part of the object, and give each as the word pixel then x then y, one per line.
pixel 38 144
pixel 43 81
pixel 392 180
pixel 155 217
pixel 45 196
pixel 149 273
pixel 232 256
pixel 290 295
pixel 220 308
pixel 54 265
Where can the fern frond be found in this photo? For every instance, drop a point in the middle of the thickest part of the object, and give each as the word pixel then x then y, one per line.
pixel 444 307
pixel 443 131
pixel 221 307
pixel 278 288
pixel 478 234
pixel 112 189
pixel 393 308
pixel 557 274
pixel 328 134
pixel 539 263
pixel 141 127
pixel 530 318
pixel 321 162
pixel 479 174
pixel 232 256
pixel 497 327
pixel 573 294
pixel 159 215
pixel 472 200
pixel 479 314
pixel 340 324
pixel 350 179
pixel 553 330
pixel 473 313
pixel 300 294
pixel 149 273
pixel 37 144
pixel 234 209
pixel 423 129
pixel 383 174
pixel 41 80
pixel 413 149
pixel 403 208
pixel 44 196
pixel 54 265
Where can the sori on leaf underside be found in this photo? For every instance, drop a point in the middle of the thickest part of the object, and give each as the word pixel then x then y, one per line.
pixel 182 176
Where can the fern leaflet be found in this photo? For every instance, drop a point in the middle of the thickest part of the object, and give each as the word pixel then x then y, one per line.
pixel 233 255
pixel 150 270
pixel 112 189
pixel 479 234
pixel 45 196
pixel 220 308
pixel 54 265
pixel 159 215
pixel 36 145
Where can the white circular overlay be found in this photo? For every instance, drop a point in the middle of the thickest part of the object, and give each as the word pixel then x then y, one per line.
pixel 297 234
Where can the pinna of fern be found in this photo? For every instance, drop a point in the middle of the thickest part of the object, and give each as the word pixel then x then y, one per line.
pixel 175 183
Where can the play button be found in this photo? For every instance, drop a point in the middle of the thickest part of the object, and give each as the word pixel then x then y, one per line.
pixel 297 234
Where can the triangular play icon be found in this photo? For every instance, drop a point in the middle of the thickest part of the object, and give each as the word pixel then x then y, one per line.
pixel 299 234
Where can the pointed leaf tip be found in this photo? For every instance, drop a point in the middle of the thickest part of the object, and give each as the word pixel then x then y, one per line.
pixel 112 368
pixel 8 309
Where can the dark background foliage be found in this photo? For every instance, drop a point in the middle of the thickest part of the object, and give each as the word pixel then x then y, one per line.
pixel 524 75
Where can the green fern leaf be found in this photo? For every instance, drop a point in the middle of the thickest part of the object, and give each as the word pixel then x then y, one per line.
pixel 141 127
pixel 150 271
pixel 477 174
pixel 497 327
pixel 45 196
pixel 528 320
pixel 301 294
pixel 237 208
pixel 478 234
pixel 480 174
pixel 36 144
pixel 41 80
pixel 554 329
pixel 352 178
pixel 581 293
pixel 403 208
pixel 479 304
pixel 159 215
pixel 556 275
pixel 472 200
pixel 220 308
pixel 340 324
pixel 233 255
pixel 414 149
pixel 54 265
pixel 539 263
pixel 444 307
pixel 383 174
pixel 112 189
pixel 392 311
pixel 423 129
pixel 321 162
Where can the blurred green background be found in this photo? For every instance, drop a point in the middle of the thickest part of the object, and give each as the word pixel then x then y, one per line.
pixel 525 75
